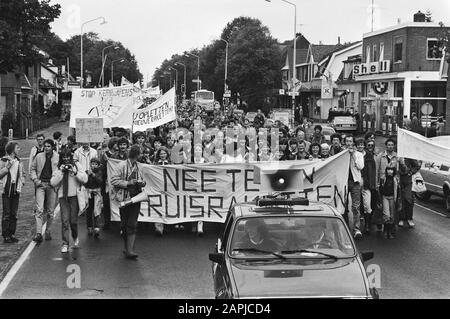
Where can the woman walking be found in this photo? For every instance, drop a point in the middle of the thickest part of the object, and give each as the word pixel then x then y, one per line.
pixel 68 179
pixel 12 178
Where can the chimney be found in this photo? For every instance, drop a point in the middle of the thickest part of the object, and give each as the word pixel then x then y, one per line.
pixel 419 17
pixel 320 42
pixel 339 40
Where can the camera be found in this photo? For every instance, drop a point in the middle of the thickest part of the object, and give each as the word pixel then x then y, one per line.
pixel 141 184
pixel 66 167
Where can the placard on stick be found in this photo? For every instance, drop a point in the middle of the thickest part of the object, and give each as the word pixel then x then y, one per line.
pixel 89 130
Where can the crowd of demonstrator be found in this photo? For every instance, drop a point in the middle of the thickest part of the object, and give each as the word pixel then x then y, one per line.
pixel 380 185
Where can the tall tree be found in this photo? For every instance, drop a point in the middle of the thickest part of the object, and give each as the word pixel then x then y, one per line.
pixel 22 25
pixel 254 63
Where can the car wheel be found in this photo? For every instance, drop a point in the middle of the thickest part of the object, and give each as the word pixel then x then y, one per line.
pixel 447 201
pixel 423 196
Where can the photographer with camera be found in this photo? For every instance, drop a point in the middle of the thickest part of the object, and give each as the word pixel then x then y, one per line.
pixel 67 179
pixel 128 182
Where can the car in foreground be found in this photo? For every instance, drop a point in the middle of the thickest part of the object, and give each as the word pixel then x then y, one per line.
pixel 437 182
pixel 281 248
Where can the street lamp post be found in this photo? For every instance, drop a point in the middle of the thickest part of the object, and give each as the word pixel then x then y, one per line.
pixel 198 68
pixel 112 68
pixel 294 80
pixel 81 46
pixel 176 78
pixel 226 65
pixel 184 81
pixel 104 61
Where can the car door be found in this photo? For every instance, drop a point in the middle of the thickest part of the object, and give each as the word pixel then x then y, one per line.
pixel 436 180
pixel 220 273
pixel 427 173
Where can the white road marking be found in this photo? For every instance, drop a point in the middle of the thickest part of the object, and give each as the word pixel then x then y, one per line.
pixel 16 267
pixel 431 210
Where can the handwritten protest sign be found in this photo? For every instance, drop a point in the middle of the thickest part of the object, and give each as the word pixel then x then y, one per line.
pixel 205 192
pixel 89 130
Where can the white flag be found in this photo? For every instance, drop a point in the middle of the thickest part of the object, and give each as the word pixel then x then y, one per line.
pixel 413 145
pixel 158 113
pixel 124 81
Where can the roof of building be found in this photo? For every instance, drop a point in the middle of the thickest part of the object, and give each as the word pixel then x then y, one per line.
pixel 401 26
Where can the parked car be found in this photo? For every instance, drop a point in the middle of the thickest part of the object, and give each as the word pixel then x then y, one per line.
pixel 288 248
pixel 342 121
pixel 437 181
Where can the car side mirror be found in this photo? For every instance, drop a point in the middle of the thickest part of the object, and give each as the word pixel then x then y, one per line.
pixel 368 255
pixel 218 258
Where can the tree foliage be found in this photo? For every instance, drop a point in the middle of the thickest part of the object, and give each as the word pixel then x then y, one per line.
pixel 22 25
pixel 254 62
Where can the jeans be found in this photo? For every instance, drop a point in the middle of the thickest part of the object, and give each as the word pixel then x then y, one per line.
pixel 9 217
pixel 91 219
pixel 388 209
pixel 69 218
pixel 129 219
pixel 367 200
pixel 106 209
pixel 354 189
pixel 45 195
pixel 407 202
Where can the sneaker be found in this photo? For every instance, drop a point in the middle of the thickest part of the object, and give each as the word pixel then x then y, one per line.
pixel 38 238
pixel 379 228
pixel 410 223
pixel 76 243
pixel 358 234
pixel 14 239
pixel 401 223
pixel 48 236
pixel 96 232
pixel 7 240
pixel 65 249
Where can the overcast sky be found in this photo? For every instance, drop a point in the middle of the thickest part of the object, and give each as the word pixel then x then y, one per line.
pixel 155 29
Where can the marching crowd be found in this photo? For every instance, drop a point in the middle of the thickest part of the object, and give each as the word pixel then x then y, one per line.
pixel 73 178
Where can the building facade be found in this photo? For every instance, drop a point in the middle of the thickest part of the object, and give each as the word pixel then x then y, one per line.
pixel 401 70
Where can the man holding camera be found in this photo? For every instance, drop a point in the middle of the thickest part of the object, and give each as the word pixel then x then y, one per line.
pixel 42 169
pixel 128 182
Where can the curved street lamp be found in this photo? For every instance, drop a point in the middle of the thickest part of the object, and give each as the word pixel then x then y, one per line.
pixel 81 46
pixel 116 47
pixel 112 67
pixel 187 54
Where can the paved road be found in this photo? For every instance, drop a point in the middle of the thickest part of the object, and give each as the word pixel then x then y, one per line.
pixel 415 265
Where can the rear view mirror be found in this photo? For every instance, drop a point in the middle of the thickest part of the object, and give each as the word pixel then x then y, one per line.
pixel 368 255
pixel 218 258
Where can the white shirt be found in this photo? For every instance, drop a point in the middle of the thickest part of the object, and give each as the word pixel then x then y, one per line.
pixel 356 165
pixel 84 158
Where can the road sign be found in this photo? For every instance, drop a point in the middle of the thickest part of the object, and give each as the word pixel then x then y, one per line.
pixel 281 92
pixel 427 109
pixel 227 94
pixel 196 81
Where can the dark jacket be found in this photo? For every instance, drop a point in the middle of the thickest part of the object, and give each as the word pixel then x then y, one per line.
pixel 369 172
pixel 95 180
pixel 406 170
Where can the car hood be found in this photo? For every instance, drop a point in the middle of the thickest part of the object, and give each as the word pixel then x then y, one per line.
pixel 298 278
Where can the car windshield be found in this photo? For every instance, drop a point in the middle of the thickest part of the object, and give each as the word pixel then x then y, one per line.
pixel 205 95
pixel 291 237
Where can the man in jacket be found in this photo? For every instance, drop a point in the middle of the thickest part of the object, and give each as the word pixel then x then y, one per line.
pixel 407 168
pixel 42 169
pixel 39 148
pixel 354 185
pixel 83 155
pixel 369 180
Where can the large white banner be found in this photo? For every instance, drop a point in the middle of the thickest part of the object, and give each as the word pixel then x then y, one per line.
pixel 205 192
pixel 115 105
pixel 158 113
pixel 416 146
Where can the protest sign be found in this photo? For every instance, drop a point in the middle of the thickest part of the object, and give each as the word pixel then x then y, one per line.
pixel 416 146
pixel 283 116
pixel 89 130
pixel 158 113
pixel 115 105
pixel 205 192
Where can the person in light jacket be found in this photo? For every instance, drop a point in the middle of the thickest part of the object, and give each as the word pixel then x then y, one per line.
pixel 12 178
pixel 42 169
pixel 354 185
pixel 68 178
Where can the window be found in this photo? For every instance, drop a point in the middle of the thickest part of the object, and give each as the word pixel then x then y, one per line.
pixel 375 53
pixel 368 54
pixel 398 50
pixel 381 51
pixel 398 88
pixel 434 52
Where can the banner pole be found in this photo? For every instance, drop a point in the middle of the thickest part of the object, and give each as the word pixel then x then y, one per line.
pixel 131 131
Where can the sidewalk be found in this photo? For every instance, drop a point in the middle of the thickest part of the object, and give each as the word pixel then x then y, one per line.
pixel 9 253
